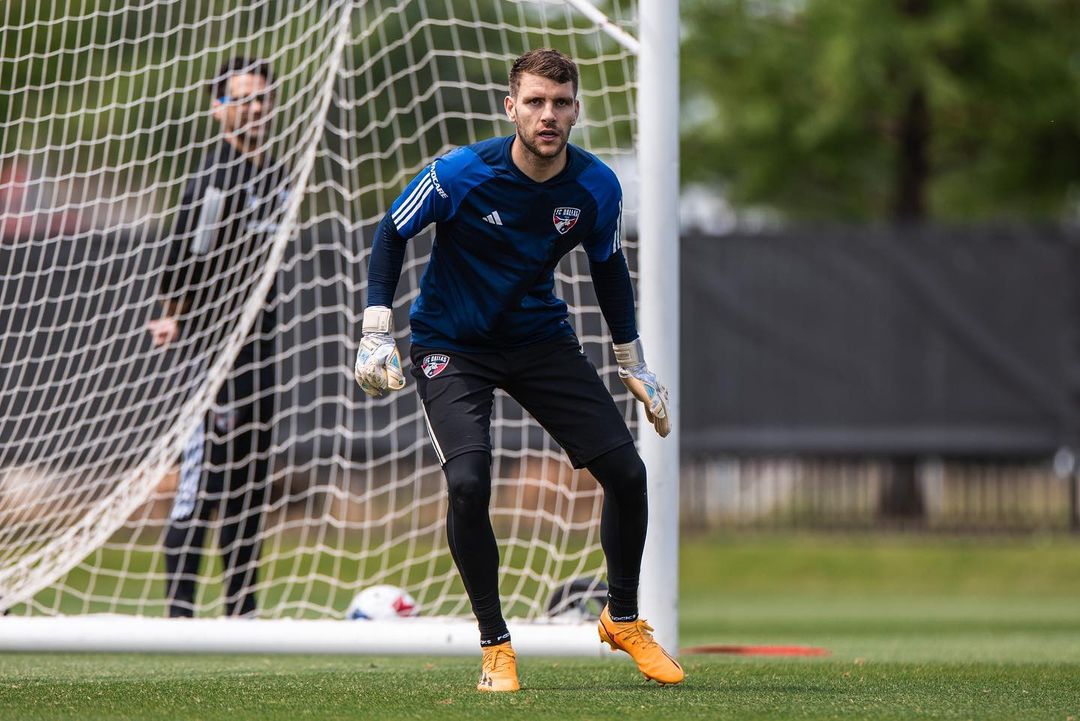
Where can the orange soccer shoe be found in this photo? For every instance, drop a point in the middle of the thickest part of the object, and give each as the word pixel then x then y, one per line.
pixel 635 637
pixel 498 671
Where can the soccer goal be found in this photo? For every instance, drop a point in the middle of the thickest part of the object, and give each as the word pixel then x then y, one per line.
pixel 106 115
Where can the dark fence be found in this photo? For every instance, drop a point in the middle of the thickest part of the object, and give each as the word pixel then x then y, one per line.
pixel 856 376
pixel 954 341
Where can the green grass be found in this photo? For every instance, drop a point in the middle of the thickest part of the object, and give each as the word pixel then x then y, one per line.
pixel 934 628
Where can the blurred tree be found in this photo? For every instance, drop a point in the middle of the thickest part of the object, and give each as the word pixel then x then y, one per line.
pixel 872 109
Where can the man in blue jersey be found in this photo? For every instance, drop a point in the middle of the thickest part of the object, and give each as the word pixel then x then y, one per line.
pixel 506 210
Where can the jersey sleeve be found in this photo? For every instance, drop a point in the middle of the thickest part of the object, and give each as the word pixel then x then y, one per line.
pixel 615 293
pixel 384 266
pixel 606 237
pixel 198 222
pixel 427 199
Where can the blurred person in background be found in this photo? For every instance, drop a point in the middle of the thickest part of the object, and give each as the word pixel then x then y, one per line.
pixel 229 213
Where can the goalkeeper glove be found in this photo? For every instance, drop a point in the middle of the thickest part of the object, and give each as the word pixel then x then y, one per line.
pixel 637 377
pixel 378 363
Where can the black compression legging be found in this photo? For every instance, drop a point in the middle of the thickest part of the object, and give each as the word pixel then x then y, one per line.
pixel 476 553
pixel 623 522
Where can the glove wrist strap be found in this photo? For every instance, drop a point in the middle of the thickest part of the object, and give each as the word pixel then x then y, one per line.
pixel 629 355
pixel 378 319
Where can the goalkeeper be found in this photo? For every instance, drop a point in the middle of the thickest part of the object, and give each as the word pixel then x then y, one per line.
pixel 229 213
pixel 506 210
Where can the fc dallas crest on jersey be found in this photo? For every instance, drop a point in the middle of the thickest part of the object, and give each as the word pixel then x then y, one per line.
pixel 565 218
pixel 433 364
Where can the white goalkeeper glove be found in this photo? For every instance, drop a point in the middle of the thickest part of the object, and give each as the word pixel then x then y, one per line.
pixel 637 377
pixel 378 363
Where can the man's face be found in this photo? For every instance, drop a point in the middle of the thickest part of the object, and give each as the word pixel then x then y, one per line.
pixel 543 111
pixel 245 111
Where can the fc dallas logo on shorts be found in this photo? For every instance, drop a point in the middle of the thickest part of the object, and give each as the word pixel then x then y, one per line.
pixel 434 364
pixel 565 218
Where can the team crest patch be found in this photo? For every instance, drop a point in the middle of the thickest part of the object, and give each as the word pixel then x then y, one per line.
pixel 565 219
pixel 434 364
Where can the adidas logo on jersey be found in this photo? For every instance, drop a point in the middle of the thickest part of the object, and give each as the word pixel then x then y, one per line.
pixel 493 218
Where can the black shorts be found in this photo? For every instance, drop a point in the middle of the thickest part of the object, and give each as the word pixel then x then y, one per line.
pixel 554 381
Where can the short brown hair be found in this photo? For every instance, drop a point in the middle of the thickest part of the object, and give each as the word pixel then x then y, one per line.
pixel 546 63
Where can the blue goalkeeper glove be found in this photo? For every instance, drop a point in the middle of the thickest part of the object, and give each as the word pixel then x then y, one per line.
pixel 637 377
pixel 378 363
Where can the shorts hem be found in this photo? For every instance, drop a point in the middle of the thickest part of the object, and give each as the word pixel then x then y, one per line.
pixel 579 464
pixel 466 449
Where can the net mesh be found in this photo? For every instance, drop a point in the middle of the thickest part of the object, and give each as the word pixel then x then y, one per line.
pixel 106 119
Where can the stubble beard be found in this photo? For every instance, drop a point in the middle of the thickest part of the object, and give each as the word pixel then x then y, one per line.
pixel 535 149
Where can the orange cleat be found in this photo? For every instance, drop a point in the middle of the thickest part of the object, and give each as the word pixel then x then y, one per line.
pixel 498 671
pixel 635 637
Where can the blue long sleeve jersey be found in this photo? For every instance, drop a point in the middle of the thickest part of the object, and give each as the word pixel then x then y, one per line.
pixel 499 235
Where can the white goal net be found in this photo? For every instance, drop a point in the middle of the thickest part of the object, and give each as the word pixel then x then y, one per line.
pixel 106 117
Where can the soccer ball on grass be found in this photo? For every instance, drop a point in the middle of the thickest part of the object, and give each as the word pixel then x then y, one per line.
pixel 377 603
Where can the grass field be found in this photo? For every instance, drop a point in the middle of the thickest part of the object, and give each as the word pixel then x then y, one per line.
pixel 935 628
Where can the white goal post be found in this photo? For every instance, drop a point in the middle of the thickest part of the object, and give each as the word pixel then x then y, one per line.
pixel 105 115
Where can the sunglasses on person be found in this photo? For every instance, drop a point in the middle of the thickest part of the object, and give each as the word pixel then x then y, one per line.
pixel 263 98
